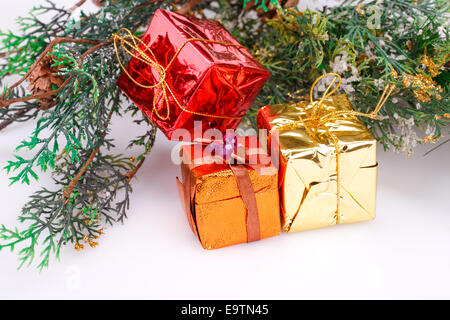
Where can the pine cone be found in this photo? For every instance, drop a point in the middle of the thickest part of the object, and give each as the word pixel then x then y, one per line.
pixel 43 79
pixel 98 2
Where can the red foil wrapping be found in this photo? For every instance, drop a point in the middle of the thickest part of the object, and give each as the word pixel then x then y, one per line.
pixel 209 78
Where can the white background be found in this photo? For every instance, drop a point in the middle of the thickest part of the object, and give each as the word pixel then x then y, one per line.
pixel 404 253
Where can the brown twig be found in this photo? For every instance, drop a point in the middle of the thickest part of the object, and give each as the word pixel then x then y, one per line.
pixel 438 146
pixel 187 7
pixel 130 174
pixel 68 191
pixel 77 5
pixel 98 3
pixel 93 49
pixel 273 11
pixel 4 103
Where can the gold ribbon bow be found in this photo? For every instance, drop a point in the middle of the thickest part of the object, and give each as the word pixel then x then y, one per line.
pixel 317 120
pixel 136 48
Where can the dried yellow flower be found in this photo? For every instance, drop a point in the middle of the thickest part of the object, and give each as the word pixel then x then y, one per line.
pixel 431 139
pixel 409 45
pixel 394 73
pixel 93 244
pixel 79 246
pixel 359 9
pixel 432 67
pixel 424 87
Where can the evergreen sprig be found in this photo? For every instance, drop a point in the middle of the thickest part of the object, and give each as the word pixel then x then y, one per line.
pixel 92 184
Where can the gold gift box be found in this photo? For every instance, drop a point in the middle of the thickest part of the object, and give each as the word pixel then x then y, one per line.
pixel 308 170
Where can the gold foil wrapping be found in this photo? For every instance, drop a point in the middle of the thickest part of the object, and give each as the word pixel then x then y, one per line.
pixel 308 175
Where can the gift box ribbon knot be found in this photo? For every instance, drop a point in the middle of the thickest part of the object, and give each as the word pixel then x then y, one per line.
pixel 223 152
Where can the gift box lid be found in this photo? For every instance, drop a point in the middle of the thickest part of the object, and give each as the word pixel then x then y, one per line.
pixel 294 141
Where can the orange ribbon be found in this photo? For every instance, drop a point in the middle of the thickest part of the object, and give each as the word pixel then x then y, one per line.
pixel 240 172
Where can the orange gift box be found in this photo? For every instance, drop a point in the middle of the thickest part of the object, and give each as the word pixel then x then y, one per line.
pixel 228 204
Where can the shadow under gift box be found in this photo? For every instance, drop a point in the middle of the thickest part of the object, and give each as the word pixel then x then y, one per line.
pixel 210 78
pixel 214 204
pixel 307 177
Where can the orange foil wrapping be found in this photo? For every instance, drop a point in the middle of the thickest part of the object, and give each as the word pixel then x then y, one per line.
pixel 215 207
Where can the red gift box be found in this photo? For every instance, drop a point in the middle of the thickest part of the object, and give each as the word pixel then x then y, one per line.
pixel 212 78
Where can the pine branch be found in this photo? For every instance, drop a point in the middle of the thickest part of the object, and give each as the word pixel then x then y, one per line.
pixel 80 118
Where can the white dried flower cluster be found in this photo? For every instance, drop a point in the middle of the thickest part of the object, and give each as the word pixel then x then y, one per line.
pixel 383 117
pixel 227 23
pixel 398 57
pixel 379 83
pixel 406 138
pixel 442 30
pixel 430 131
pixel 208 13
pixel 368 50
pixel 322 85
pixel 104 194
pixel 244 19
pixel 347 83
pixel 340 65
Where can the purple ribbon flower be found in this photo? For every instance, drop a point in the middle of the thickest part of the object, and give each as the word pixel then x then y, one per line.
pixel 224 149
